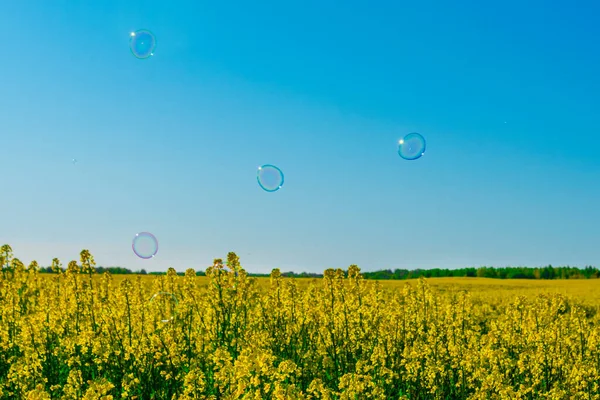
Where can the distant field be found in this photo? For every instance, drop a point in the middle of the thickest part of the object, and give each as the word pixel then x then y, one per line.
pixel 583 290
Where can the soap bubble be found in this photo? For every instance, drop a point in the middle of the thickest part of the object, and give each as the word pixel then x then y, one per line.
pixel 412 146
pixel 145 245
pixel 270 178
pixel 164 304
pixel 142 43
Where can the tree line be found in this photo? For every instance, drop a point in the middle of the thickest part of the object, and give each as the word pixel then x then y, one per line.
pixel 548 272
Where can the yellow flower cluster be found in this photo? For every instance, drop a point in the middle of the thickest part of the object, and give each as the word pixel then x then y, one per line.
pixel 77 335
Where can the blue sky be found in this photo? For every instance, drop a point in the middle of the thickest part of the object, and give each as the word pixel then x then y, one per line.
pixel 506 95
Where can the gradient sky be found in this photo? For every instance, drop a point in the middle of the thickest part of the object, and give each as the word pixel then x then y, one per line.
pixel 507 96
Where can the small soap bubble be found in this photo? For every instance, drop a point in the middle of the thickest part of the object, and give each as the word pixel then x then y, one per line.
pixel 145 245
pixel 412 146
pixel 74 161
pixel 165 306
pixel 270 178
pixel 142 43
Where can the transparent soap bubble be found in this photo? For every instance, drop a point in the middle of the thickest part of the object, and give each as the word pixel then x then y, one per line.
pixel 270 178
pixel 145 245
pixel 164 304
pixel 411 146
pixel 142 43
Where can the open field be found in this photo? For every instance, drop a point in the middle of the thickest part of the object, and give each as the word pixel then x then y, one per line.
pixel 584 291
pixel 79 335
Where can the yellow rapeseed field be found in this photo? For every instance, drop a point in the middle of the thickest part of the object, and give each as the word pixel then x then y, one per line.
pixel 80 335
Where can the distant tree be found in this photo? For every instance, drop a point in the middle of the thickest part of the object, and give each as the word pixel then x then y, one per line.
pixel 502 273
pixel 491 273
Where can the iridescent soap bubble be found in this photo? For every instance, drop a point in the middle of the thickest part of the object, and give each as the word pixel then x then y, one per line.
pixel 164 305
pixel 145 245
pixel 412 146
pixel 270 178
pixel 142 43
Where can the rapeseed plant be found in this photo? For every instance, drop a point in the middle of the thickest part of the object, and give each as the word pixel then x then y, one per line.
pixel 77 335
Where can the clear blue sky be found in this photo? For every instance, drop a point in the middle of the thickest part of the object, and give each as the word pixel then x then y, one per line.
pixel 506 94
